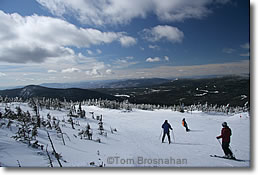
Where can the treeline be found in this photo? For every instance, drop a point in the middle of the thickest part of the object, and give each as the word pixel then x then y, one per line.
pixel 49 103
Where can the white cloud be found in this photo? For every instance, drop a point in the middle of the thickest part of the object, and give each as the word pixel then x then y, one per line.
pixel 166 58
pixel 99 12
pixel 129 57
pixel 66 77
pixel 165 32
pixel 52 71
pixel 153 46
pixel 2 74
pixel 156 59
pixel 245 54
pixel 127 41
pixel 36 73
pixel 231 68
pixel 109 71
pixel 245 46
pixel 228 50
pixel 124 62
pixel 96 70
pixel 89 52
pixel 99 51
pixel 71 70
pixel 93 72
pixel 38 38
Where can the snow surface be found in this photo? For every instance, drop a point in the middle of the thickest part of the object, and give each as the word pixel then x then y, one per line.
pixel 200 95
pixel 122 95
pixel 138 137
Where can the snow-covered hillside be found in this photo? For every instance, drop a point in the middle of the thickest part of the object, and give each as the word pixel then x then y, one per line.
pixel 130 139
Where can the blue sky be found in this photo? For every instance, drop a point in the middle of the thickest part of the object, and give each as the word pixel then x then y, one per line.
pixel 70 41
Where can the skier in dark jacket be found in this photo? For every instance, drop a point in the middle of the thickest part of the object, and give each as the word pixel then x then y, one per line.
pixel 166 127
pixel 225 135
pixel 185 125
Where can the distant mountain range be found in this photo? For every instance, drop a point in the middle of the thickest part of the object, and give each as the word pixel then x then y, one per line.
pixel 81 85
pixel 109 83
pixel 233 90
pixel 126 83
pixel 74 94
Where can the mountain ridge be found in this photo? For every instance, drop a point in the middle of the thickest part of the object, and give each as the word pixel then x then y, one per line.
pixel 74 94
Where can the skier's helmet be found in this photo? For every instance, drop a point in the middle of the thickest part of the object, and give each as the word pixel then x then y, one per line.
pixel 224 124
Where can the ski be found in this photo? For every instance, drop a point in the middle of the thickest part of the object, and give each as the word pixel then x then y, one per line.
pixel 222 157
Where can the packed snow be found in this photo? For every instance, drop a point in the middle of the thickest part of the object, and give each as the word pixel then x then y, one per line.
pixel 200 95
pixel 130 139
pixel 205 92
pixel 122 95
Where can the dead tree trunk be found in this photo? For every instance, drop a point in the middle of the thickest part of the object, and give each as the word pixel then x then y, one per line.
pixel 50 161
pixel 55 153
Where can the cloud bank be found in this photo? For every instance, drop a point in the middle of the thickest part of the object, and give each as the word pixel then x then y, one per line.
pixel 37 38
pixel 102 12
pixel 163 32
pixel 156 59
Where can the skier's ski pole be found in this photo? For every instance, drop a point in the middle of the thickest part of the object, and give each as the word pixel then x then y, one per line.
pixel 219 142
pixel 173 135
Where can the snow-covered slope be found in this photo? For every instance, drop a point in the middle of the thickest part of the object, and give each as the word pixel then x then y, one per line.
pixel 136 143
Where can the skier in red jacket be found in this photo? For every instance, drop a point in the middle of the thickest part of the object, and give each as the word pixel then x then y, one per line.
pixel 225 135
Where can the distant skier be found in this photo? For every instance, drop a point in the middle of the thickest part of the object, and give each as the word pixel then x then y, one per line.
pixel 166 128
pixel 225 135
pixel 185 125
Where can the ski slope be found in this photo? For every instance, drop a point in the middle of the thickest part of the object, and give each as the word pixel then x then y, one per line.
pixel 137 142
